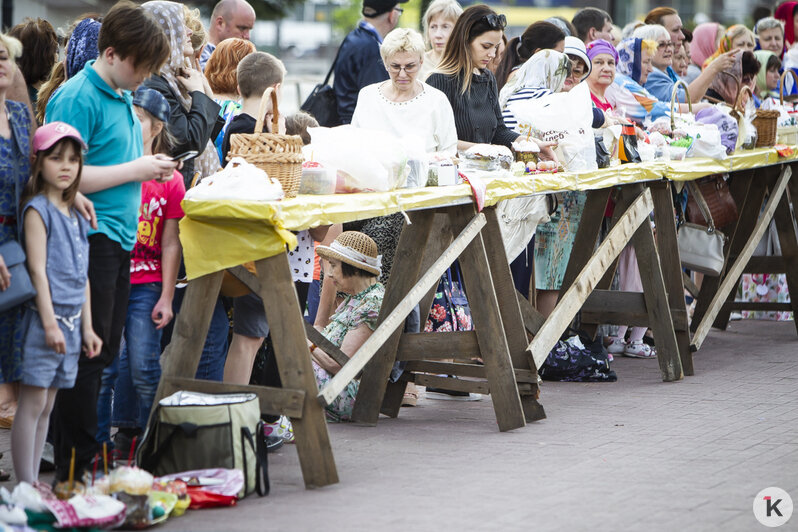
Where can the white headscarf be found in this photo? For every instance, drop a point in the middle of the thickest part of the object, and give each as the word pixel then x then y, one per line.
pixel 547 69
pixel 172 19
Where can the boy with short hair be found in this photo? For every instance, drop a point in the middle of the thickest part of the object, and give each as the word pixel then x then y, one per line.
pixel 97 102
pixel 592 23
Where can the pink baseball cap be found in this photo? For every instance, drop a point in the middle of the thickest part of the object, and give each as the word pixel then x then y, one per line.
pixel 49 134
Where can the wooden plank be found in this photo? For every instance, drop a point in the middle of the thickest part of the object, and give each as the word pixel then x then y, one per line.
pixel 181 357
pixel 296 371
pixel 763 306
pixel 447 368
pixel 657 304
pixel 327 346
pixel 489 327
pixel 689 285
pixel 509 306
pixel 458 385
pixel 533 320
pixel 786 229
pixel 766 264
pixel 732 277
pixel 668 252
pixel 405 272
pixel 586 235
pixel 245 276
pixel 274 401
pixel 594 269
pixel 438 241
pixel 396 318
pixel 423 346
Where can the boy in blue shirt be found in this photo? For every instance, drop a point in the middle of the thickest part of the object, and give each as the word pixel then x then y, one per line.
pixel 97 102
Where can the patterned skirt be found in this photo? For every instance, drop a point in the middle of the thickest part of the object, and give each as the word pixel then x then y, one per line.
pixel 554 241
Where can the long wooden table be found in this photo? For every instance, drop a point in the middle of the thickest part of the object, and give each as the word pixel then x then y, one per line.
pixel 444 226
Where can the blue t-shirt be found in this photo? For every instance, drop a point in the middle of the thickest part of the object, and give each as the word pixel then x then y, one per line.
pixel 110 128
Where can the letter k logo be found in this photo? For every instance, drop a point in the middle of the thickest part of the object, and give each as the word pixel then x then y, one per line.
pixel 772 506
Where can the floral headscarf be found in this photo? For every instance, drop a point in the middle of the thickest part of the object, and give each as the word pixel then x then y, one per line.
pixel 547 69
pixel 630 57
pixel 704 43
pixel 726 42
pixel 82 46
pixel 171 17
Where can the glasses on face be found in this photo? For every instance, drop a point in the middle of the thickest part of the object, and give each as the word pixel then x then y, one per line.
pixel 577 69
pixel 409 69
pixel 399 9
pixel 665 45
pixel 495 21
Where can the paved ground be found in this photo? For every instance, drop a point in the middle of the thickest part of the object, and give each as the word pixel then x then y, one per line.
pixel 638 454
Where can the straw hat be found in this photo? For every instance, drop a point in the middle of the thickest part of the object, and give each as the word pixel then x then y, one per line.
pixel 354 248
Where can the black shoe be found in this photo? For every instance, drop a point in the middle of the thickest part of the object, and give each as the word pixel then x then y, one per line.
pixel 273 443
pixel 453 393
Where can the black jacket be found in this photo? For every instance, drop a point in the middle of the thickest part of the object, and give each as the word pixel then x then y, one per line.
pixel 191 129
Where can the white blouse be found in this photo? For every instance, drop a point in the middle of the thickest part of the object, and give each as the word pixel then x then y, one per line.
pixel 428 116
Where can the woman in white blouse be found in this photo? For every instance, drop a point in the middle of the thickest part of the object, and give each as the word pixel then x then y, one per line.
pixel 403 105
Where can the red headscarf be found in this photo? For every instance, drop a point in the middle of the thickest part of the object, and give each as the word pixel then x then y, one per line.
pixel 785 14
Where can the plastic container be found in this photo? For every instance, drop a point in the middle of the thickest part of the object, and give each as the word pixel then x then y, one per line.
pixel 317 180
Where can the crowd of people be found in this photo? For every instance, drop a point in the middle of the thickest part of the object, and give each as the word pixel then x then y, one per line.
pixel 104 133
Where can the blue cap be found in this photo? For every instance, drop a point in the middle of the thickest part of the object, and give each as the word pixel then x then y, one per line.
pixel 153 102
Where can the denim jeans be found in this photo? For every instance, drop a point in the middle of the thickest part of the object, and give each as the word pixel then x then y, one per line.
pixel 139 360
pixel 214 353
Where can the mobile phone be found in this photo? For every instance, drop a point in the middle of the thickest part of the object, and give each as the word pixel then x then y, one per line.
pixel 186 155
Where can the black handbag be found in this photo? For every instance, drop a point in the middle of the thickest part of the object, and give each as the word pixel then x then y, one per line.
pixel 322 103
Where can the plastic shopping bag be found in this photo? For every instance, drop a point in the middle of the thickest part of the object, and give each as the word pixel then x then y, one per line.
pixel 565 118
pixel 367 160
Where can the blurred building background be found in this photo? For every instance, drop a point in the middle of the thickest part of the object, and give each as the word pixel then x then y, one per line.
pixel 306 33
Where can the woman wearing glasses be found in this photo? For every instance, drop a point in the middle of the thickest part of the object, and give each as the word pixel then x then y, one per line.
pixel 403 105
pixel 662 78
pixel 464 78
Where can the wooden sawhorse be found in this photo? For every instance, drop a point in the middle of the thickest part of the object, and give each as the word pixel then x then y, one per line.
pixel 424 252
pixel 297 398
pixel 773 188
pixel 589 274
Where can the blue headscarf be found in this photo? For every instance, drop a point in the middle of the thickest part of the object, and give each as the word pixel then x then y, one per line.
pixel 630 53
pixel 82 46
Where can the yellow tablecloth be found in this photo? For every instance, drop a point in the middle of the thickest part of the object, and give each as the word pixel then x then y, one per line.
pixel 225 233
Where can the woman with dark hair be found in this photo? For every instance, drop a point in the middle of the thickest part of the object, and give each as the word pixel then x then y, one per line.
pixel 39 52
pixel 464 78
pixel 538 36
pixel 744 70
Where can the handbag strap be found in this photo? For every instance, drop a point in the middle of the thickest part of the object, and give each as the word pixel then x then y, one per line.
pixel 261 459
pixel 332 67
pixel 695 190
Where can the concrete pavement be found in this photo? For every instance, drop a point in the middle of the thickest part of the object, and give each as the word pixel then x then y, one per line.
pixel 638 454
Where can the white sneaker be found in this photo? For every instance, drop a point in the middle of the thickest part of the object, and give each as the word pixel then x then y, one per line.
pixel 616 347
pixel 639 349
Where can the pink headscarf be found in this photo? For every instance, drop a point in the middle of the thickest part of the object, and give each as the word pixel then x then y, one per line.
pixel 705 42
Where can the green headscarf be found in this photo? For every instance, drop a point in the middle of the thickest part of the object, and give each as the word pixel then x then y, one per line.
pixel 763 56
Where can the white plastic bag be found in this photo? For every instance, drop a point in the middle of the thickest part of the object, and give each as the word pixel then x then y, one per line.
pixel 518 220
pixel 565 118
pixel 239 180
pixel 706 142
pixel 367 160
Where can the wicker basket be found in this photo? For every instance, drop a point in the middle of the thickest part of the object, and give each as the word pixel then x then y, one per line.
pixel 786 134
pixel 280 156
pixel 764 121
pixel 674 92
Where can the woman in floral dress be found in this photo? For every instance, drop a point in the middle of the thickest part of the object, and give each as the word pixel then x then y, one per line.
pixel 354 268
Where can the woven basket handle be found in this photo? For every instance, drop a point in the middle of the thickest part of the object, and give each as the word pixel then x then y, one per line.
pixel 264 101
pixel 737 100
pixel 781 83
pixel 674 92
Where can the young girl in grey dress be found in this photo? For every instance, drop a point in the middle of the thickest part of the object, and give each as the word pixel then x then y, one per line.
pixel 58 320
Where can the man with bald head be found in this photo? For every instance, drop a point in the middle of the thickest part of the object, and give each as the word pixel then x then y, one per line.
pixel 230 18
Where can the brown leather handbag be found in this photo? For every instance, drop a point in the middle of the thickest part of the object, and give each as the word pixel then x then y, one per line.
pixel 719 199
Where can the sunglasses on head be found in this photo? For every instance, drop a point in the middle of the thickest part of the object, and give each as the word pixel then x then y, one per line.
pixel 495 21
